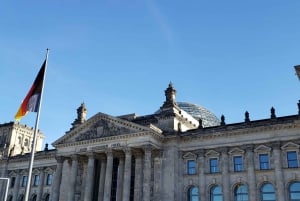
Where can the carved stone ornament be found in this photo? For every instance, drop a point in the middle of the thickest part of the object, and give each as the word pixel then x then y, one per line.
pixel 102 128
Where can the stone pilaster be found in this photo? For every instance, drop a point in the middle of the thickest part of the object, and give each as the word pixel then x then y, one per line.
pixel 138 182
pixel 41 184
pixel 72 185
pixel 120 179
pixel 225 174
pixel 278 171
pixel 202 181
pixel 251 173
pixel 102 179
pixel 88 192
pixel 147 175
pixel 57 179
pixel 127 175
pixel 16 187
pixel 108 176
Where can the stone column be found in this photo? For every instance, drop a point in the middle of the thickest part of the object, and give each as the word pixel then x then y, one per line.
pixel 102 179
pixel 225 175
pixel 57 179
pixel 278 171
pixel 41 184
pixel 138 182
pixel 88 192
pixel 201 168
pixel 127 175
pixel 147 175
pixel 251 173
pixel 120 179
pixel 16 187
pixel 74 169
pixel 108 176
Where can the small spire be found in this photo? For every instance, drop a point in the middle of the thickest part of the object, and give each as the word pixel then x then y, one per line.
pixel 170 94
pixel 298 107
pixel 273 115
pixel 247 119
pixel 223 120
pixel 81 115
pixel 200 123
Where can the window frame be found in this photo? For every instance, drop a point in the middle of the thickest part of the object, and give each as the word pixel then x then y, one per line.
pixel 214 168
pixel 49 179
pixel 289 165
pixel 295 192
pixel 191 195
pixel 263 163
pixel 264 193
pixel 191 166
pixel 24 181
pixel 238 167
pixel 36 180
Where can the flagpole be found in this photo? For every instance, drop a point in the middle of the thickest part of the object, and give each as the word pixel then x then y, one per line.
pixel 35 136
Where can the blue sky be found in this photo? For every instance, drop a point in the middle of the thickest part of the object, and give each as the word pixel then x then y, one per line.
pixel 118 56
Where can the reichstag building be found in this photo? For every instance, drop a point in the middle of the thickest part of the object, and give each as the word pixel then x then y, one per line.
pixel 181 152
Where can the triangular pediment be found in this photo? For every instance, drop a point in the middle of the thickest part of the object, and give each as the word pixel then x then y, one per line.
pixel 290 146
pixel 262 148
pixel 101 126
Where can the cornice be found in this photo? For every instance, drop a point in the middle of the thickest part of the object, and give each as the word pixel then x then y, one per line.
pixel 212 133
pixel 157 136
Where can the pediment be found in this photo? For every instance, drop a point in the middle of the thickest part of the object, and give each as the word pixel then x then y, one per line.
pixel 101 126
pixel 189 155
pixel 212 153
pixel 290 146
pixel 262 148
pixel 236 151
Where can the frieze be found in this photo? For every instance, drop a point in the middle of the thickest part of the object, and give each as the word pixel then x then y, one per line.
pixel 102 128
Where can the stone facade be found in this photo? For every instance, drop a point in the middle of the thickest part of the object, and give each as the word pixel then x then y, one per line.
pixel 165 156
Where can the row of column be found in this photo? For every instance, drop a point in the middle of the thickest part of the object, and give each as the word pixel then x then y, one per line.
pixel 251 176
pixel 141 183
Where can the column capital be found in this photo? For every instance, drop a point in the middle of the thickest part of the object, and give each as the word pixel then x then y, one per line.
pixel 223 150
pixel 109 152
pixel 60 159
pixel 275 145
pixel 248 147
pixel 127 150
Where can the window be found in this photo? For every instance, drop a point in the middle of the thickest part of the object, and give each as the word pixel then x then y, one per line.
pixel 191 167
pixel 24 181
pixel 216 193
pixel 34 197
pixel 193 194
pixel 292 160
pixel 294 191
pixel 47 198
pixel 12 182
pixel 238 163
pixel 49 179
pixel 241 193
pixel 264 161
pixel 213 164
pixel 36 180
pixel 268 192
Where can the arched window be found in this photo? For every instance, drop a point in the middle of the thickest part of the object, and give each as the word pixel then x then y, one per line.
pixel 21 198
pixel 294 191
pixel 216 193
pixel 47 197
pixel 193 194
pixel 33 198
pixel 241 193
pixel 267 192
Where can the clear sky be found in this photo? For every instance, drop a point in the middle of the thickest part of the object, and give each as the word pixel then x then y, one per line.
pixel 118 57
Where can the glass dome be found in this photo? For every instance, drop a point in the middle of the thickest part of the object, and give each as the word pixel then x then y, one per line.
pixel 199 112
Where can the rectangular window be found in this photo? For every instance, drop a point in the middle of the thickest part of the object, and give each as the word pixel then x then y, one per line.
pixel 191 167
pixel 36 180
pixel 292 159
pixel 213 164
pixel 24 181
pixel 49 179
pixel 12 182
pixel 238 163
pixel 264 162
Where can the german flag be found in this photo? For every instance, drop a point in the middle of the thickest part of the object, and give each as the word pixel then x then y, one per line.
pixel 32 100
